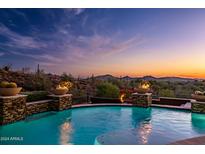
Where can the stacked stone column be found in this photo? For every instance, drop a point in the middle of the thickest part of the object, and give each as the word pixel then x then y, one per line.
pixel 61 102
pixel 12 108
pixel 197 107
pixel 142 100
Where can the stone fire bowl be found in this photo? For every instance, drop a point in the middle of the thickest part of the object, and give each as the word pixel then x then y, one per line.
pixel 198 97
pixel 60 91
pixel 142 91
pixel 9 91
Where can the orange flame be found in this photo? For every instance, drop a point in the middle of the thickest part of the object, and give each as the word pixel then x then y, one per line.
pixel 64 85
pixel 122 98
pixel 145 86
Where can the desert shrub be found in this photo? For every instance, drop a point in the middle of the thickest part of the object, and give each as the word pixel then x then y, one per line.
pixel 7 67
pixel 6 84
pixel 38 82
pixel 116 82
pixel 36 95
pixel 3 84
pixel 66 77
pixel 166 93
pixel 107 90
pixel 79 100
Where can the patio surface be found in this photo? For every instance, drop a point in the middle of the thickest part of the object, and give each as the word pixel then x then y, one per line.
pixel 191 141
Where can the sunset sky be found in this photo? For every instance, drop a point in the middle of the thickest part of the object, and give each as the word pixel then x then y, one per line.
pixel 134 42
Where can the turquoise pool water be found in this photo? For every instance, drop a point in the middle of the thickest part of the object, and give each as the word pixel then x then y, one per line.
pixel 83 125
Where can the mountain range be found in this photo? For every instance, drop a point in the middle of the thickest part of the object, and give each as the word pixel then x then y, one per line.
pixel 148 78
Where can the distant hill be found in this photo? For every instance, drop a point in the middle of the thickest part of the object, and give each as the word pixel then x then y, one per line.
pixel 174 79
pixel 149 78
pixel 106 77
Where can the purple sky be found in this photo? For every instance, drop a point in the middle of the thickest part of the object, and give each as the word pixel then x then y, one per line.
pixel 135 42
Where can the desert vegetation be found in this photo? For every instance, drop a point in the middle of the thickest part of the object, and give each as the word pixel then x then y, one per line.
pixel 103 86
pixel 107 89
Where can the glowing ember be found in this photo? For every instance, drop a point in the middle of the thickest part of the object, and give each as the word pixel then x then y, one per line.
pixel 122 97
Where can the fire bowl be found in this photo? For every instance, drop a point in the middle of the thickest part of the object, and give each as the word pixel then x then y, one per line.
pixel 142 90
pixel 60 91
pixel 10 91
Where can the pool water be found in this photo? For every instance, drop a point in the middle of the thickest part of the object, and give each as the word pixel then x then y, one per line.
pixel 84 125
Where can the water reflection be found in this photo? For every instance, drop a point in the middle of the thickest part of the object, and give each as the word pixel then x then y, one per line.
pixel 141 120
pixel 198 122
pixel 66 130
pixel 140 115
pixel 144 132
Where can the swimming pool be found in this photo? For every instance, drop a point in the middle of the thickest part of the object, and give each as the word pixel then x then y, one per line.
pixel 85 125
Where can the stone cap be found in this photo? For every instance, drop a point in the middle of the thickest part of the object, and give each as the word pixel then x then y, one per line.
pixel 16 96
pixel 38 102
pixel 174 98
pixel 59 96
pixel 197 102
pixel 147 94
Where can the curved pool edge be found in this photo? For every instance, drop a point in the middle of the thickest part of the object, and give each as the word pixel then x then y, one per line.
pixel 129 105
pixel 177 142
pixel 107 104
pixel 101 104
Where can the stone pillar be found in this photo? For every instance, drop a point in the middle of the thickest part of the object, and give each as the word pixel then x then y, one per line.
pixel 12 108
pixel 197 107
pixel 61 102
pixel 142 100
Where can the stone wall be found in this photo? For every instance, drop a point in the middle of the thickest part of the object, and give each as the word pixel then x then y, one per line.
pixel 12 108
pixel 198 107
pixel 142 100
pixel 15 108
pixel 39 106
pixel 57 103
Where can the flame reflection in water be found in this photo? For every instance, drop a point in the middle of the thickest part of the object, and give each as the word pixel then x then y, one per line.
pixel 65 132
pixel 144 131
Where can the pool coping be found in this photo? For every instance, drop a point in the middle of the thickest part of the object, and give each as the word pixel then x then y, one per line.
pixel 130 105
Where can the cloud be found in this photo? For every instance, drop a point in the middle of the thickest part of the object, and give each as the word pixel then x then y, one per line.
pixel 43 57
pixel 101 46
pixel 1 54
pixel 19 41
pixel 68 44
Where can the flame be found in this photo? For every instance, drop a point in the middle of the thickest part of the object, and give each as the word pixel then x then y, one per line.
pixel 61 87
pixel 122 98
pixel 64 85
pixel 145 86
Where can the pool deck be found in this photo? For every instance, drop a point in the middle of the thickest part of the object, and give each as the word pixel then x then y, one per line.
pixel 191 141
